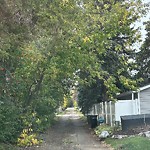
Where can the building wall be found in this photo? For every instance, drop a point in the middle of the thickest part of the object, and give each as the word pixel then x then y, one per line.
pixel 145 101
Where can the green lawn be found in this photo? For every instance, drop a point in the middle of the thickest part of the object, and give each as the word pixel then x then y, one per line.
pixel 132 143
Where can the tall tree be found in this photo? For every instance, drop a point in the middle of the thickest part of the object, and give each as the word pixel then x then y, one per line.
pixel 36 61
pixel 109 43
pixel 143 57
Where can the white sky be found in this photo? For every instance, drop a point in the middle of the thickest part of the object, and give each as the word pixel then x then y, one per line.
pixel 144 19
pixel 140 24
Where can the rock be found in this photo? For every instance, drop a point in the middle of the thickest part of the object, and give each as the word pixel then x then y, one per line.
pixel 141 134
pixel 104 134
pixel 119 136
pixel 147 134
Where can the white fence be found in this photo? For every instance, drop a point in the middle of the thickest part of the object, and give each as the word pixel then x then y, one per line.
pixel 111 111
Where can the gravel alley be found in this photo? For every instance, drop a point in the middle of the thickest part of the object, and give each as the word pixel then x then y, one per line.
pixel 71 132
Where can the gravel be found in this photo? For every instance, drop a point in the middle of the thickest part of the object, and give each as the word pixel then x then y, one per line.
pixel 71 132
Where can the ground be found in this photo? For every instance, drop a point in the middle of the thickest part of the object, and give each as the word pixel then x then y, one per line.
pixel 71 132
pixel 134 131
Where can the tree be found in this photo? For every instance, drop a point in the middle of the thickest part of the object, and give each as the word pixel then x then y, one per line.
pixel 34 62
pixel 108 42
pixel 143 58
pixel 45 50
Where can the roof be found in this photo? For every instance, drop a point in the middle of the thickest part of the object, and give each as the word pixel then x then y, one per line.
pixel 130 92
pixel 124 94
pixel 144 87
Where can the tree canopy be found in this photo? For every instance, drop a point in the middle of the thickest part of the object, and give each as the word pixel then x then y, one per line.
pixel 143 57
pixel 109 41
pixel 47 46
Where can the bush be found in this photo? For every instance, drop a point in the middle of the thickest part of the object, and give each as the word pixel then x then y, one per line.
pixel 75 103
pixel 10 124
pixel 14 121
pixel 27 138
pixel 98 130
pixel 4 146
pixel 45 114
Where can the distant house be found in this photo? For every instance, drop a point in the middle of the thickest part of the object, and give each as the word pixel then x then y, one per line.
pixel 129 103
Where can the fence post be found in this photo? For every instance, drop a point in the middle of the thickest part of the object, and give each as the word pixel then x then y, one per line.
pixel 139 102
pixel 133 104
pixel 111 123
pixel 102 108
pixel 106 112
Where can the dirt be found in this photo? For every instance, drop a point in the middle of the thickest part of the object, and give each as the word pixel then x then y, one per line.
pixel 71 132
pixel 134 131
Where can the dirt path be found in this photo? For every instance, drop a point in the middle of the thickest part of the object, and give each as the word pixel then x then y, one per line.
pixel 70 133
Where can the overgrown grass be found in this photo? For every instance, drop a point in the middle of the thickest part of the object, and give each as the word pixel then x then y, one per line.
pixel 131 143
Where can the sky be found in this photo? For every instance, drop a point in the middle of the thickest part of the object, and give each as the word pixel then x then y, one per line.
pixel 144 19
pixel 140 24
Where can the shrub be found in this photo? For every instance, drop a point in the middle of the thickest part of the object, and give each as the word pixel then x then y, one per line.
pixel 4 146
pixel 45 114
pixel 75 104
pixel 10 124
pixel 98 130
pixel 27 138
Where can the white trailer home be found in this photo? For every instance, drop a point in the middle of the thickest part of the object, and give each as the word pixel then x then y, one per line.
pixel 129 103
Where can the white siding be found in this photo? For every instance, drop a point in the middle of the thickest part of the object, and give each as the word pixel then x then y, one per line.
pixel 145 101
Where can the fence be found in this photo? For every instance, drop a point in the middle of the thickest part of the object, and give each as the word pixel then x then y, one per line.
pixel 111 111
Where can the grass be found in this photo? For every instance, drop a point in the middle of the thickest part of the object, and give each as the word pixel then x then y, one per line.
pixel 131 143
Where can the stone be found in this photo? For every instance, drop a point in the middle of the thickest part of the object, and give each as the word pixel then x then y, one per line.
pixel 119 136
pixel 104 134
pixel 147 134
pixel 141 134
